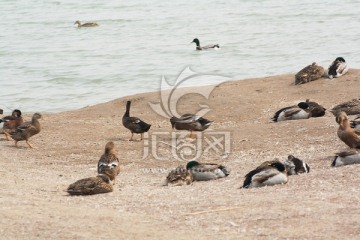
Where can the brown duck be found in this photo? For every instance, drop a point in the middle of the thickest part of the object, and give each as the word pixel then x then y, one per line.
pixel 309 73
pixel 348 135
pixel 190 122
pixel 350 107
pixel 134 124
pixel 27 130
pixel 178 177
pixel 86 24
pixel 108 161
pixel 10 123
pixel 93 185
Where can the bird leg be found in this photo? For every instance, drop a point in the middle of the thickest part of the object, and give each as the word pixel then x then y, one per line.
pixel 8 137
pixel 16 144
pixel 191 132
pixel 132 134
pixel 141 136
pixel 29 144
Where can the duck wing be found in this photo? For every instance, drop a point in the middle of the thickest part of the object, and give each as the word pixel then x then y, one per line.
pixel 276 115
pixel 210 46
pixel 292 111
pixel 136 125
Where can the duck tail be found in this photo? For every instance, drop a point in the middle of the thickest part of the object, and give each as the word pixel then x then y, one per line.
pixel 144 126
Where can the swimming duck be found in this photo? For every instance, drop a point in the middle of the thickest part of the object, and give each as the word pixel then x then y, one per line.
pixel 309 73
pixel 190 122
pixel 337 68
pixel 350 107
pixel 89 186
pixel 355 123
pixel 179 176
pixel 268 174
pixel 348 135
pixel 86 24
pixel 108 161
pixel 10 123
pixel 27 130
pixel 198 47
pixel 134 124
pixel 206 171
pixel 346 158
pixel 316 109
pixel 301 111
pixel 295 166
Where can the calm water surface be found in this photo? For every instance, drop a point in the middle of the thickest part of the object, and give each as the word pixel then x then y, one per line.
pixel 49 65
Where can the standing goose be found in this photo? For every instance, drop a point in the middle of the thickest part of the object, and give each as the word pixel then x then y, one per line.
pixel 301 111
pixel 348 135
pixel 267 174
pixel 10 123
pixel 337 68
pixel 89 186
pixel 351 107
pixel 198 47
pixel 190 122
pixel 86 24
pixel 206 171
pixel 27 130
pixel 309 73
pixel 108 161
pixel 134 124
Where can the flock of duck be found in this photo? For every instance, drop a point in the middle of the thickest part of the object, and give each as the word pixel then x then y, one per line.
pixel 267 174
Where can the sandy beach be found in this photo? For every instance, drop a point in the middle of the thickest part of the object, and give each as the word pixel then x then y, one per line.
pixel 323 204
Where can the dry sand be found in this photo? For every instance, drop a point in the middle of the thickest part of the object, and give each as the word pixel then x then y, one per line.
pixel 323 204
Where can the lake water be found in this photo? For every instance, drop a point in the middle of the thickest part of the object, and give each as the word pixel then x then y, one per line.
pixel 49 65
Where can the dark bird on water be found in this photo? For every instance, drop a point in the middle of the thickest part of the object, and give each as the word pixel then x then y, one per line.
pixel 198 47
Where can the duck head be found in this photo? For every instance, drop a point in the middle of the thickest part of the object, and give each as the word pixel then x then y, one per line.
pixel 16 113
pixel 77 22
pixel 279 166
pixel 341 117
pixel 37 116
pixel 196 41
pixel 303 105
pixel 192 164
pixel 339 59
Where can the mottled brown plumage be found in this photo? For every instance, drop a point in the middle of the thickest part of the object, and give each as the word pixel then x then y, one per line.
pixel 350 107
pixel 348 135
pixel 108 161
pixel 309 73
pixel 27 130
pixel 179 176
pixel 90 186
pixel 10 123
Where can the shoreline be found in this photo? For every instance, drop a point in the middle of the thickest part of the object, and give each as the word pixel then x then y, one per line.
pixel 71 143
